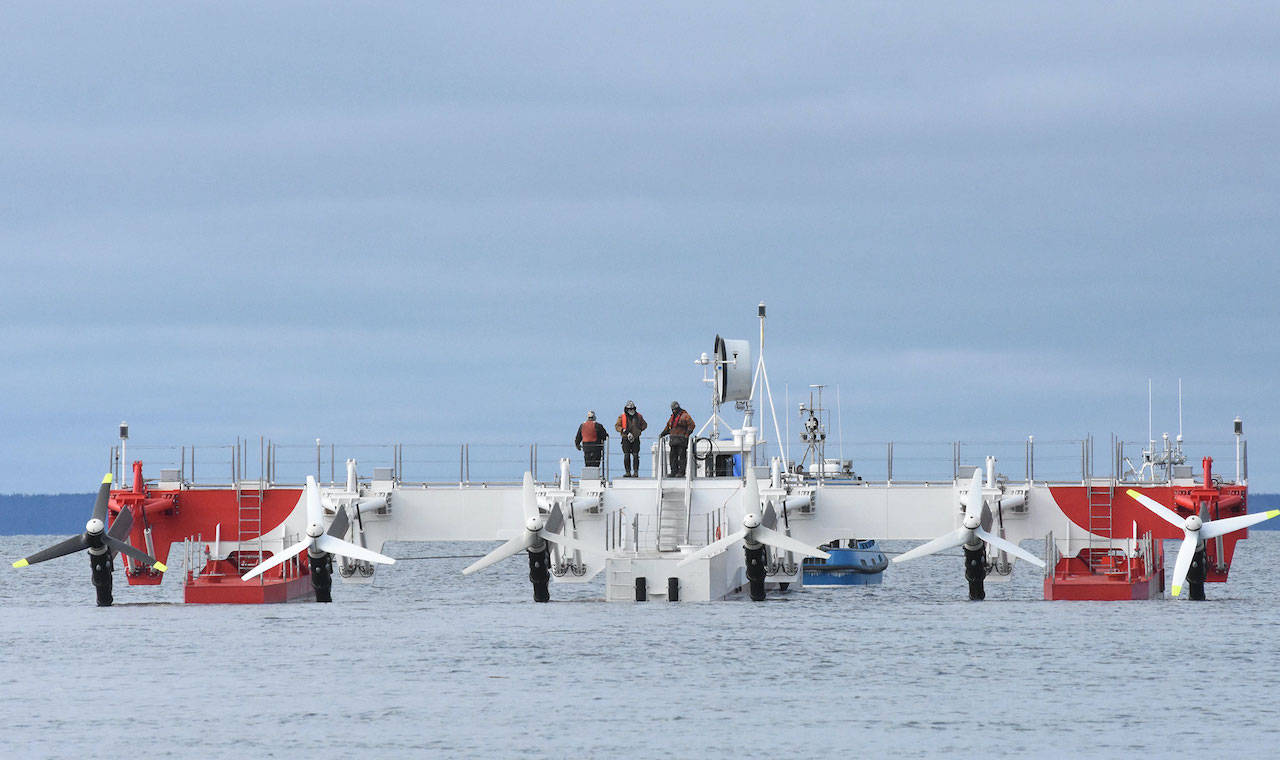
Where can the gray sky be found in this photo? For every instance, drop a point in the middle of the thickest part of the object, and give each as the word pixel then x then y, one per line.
pixel 421 223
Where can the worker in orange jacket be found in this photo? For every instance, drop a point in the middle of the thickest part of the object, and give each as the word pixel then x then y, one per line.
pixel 629 426
pixel 590 440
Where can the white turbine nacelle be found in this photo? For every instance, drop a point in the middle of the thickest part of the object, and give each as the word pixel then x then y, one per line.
pixel 535 524
pixel 94 527
pixel 314 530
pixel 1193 524
pixel 751 521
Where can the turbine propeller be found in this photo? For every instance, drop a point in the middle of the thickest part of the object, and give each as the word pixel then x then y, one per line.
pixel 754 532
pixel 96 538
pixel 318 540
pixel 1195 532
pixel 534 536
pixel 970 534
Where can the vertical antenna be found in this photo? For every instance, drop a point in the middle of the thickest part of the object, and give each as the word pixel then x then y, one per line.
pixel 1179 410
pixel 1150 441
pixel 839 422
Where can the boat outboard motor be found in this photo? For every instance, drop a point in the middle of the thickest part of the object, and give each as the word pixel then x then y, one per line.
pixel 103 544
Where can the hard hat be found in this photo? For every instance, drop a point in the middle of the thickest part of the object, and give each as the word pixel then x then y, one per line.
pixel 630 405
pixel 675 405
pixel 591 415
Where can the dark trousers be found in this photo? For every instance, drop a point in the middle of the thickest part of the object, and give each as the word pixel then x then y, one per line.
pixel 631 456
pixel 591 453
pixel 677 455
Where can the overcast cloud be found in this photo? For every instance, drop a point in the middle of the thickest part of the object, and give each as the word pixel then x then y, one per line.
pixel 427 223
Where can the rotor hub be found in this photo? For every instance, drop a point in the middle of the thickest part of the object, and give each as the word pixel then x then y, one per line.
pixel 94 527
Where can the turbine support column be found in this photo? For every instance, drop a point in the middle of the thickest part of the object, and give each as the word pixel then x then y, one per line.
pixel 100 567
pixel 540 572
pixel 755 571
pixel 975 571
pixel 1196 574
pixel 321 575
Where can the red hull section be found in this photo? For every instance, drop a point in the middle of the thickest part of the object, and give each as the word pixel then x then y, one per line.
pixel 220 583
pixel 1076 579
pixel 174 516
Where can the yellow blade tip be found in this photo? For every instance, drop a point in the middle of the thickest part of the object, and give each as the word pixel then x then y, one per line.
pixel 1177 590
pixel 160 566
pixel 1132 493
pixel 107 478
pixel 1272 513
pixel 21 563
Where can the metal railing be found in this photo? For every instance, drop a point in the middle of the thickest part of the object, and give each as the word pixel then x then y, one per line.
pixel 429 464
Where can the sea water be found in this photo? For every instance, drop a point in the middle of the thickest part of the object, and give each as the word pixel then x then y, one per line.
pixel 429 663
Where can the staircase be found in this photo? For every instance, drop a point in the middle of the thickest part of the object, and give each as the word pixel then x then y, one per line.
pixel 1101 495
pixel 673 520
pixel 249 519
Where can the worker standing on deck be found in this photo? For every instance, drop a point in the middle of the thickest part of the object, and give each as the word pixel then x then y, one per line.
pixel 679 427
pixel 590 440
pixel 629 426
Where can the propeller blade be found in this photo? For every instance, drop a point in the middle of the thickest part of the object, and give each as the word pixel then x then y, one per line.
pixel 509 549
pixel 566 542
pixel 276 560
pixel 61 549
pixel 941 543
pixel 555 520
pixel 315 512
pixel 1215 528
pixel 137 554
pixel 528 498
pixel 341 522
pixel 121 526
pixel 786 543
pixel 1180 567
pixel 973 498
pixel 1160 510
pixel 714 548
pixel 769 518
pixel 332 545
pixel 100 505
pixel 1009 546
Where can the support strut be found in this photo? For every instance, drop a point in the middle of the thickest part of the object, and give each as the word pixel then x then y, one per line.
pixel 100 569
pixel 321 575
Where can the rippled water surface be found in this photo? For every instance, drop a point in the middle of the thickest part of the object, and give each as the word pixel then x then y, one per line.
pixel 430 663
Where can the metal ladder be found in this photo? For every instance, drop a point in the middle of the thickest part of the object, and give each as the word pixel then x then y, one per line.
pixel 672 519
pixel 249 519
pixel 1100 499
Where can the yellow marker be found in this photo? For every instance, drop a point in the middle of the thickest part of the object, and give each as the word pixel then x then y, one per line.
pixel 1177 590
pixel 1133 494
pixel 1273 513
pixel 20 563
pixel 107 479
pixel 160 566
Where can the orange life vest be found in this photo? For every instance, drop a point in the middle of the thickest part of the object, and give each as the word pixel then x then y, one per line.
pixel 589 432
